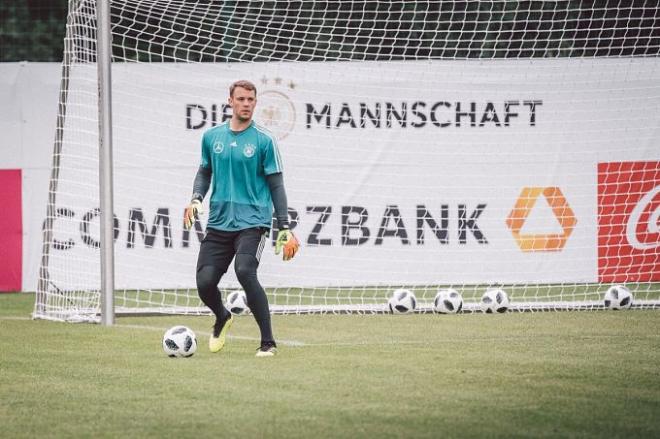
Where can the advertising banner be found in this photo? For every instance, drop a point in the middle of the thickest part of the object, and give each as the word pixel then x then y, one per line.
pixel 629 221
pixel 11 230
pixel 396 173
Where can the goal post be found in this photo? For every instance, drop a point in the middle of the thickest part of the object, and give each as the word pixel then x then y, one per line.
pixel 106 195
pixel 426 144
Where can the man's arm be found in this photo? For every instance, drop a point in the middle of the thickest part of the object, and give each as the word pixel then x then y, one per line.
pixel 285 239
pixel 200 187
pixel 278 194
pixel 202 183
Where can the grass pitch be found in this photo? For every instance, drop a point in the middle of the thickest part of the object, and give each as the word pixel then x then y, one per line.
pixel 555 374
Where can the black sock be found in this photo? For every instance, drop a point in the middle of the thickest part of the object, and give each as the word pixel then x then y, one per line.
pixel 246 271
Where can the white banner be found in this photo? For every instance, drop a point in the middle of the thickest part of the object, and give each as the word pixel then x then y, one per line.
pixel 396 173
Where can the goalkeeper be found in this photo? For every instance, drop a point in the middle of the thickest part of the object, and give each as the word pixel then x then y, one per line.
pixel 241 162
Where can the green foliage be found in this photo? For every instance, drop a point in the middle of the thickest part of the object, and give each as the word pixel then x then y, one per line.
pixel 554 374
pixel 234 31
pixel 32 30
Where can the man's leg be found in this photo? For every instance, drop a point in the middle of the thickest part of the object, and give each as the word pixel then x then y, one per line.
pixel 249 246
pixel 215 255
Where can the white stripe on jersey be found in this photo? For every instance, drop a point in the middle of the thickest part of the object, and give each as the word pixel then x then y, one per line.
pixel 273 139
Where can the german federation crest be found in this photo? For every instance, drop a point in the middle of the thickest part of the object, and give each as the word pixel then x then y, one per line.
pixel 248 150
pixel 277 113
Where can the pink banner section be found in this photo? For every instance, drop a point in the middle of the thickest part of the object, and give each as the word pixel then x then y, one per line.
pixel 11 230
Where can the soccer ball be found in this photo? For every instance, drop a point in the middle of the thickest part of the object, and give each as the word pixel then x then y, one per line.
pixel 402 301
pixel 448 301
pixel 494 300
pixel 179 341
pixel 618 297
pixel 237 303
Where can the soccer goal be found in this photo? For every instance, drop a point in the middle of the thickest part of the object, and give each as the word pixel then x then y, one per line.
pixel 426 144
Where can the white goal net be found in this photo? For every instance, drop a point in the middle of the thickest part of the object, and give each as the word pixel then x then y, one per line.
pixel 426 144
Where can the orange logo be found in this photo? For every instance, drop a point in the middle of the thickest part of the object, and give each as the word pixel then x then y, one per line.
pixel 541 242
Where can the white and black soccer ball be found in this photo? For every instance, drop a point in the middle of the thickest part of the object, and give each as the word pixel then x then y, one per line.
pixel 237 303
pixel 618 297
pixel 179 341
pixel 448 301
pixel 402 301
pixel 494 300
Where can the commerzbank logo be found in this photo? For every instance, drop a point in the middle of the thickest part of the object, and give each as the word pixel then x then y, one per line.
pixel 541 242
pixel 275 110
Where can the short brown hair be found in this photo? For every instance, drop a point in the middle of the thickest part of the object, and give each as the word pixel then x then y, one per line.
pixel 243 84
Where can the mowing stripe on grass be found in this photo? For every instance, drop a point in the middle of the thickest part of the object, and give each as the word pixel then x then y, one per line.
pixel 435 341
pixel 206 334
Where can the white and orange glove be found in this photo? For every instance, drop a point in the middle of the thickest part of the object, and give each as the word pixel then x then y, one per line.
pixel 192 213
pixel 286 243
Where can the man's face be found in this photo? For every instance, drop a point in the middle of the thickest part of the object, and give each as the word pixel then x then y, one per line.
pixel 243 102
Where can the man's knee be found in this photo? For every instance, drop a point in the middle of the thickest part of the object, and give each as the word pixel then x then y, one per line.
pixel 245 267
pixel 207 278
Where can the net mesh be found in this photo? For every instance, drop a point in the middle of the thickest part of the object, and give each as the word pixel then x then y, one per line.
pixel 462 144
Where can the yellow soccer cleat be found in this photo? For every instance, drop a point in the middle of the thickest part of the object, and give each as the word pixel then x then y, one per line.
pixel 217 340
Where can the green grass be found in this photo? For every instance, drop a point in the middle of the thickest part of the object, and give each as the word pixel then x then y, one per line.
pixel 567 374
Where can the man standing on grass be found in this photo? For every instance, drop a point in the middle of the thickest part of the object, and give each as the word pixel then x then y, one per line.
pixel 241 161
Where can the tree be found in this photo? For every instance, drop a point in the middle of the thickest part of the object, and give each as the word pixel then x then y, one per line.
pixel 32 30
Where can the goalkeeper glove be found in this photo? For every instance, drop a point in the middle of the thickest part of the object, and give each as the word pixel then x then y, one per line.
pixel 192 213
pixel 288 242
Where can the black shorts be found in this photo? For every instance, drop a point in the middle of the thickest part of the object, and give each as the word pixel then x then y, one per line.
pixel 218 247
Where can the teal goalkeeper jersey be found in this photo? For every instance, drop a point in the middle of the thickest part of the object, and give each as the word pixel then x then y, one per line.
pixel 239 163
